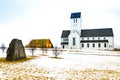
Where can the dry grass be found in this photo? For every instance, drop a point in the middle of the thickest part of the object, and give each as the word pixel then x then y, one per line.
pixel 22 70
pixel 25 70
pixel 3 59
pixel 93 74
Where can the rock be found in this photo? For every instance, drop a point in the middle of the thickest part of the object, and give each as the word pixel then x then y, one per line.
pixel 15 50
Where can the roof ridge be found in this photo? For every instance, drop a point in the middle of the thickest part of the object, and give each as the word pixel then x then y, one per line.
pixel 97 29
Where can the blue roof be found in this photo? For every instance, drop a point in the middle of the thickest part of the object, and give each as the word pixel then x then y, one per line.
pixel 75 15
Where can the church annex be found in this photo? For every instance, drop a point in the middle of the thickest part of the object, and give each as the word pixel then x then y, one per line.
pixel 77 38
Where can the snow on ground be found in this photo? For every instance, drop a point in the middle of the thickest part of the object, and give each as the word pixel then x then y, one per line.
pixel 84 60
pixel 69 65
pixel 80 60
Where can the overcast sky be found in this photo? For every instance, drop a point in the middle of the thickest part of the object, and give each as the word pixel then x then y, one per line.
pixel 36 19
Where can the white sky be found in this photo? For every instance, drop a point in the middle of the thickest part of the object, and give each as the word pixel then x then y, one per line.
pixel 35 19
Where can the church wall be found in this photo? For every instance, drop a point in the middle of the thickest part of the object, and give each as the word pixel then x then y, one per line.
pixel 77 41
pixel 77 25
pixel 111 43
pixel 95 45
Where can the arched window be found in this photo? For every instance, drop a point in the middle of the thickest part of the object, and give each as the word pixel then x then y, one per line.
pixel 88 38
pixel 73 40
pixel 88 45
pixel 82 45
pixel 63 46
pixel 76 20
pixel 99 45
pixel 93 45
pixel 105 45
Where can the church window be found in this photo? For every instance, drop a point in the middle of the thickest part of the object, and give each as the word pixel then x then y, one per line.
pixel 82 45
pixel 88 45
pixel 76 20
pixel 99 45
pixel 82 38
pixel 63 46
pixel 73 40
pixel 93 45
pixel 65 39
pixel 87 38
pixel 105 45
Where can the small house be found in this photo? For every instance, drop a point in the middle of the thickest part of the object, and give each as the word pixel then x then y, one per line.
pixel 39 43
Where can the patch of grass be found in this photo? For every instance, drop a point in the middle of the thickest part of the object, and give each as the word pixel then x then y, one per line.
pixel 3 59
pixel 93 74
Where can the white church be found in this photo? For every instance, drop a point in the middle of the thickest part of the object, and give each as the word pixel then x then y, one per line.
pixel 77 38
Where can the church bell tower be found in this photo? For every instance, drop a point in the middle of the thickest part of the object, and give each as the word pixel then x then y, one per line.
pixel 75 33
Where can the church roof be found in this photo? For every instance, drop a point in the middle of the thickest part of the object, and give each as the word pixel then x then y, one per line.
pixel 97 32
pixel 104 32
pixel 75 15
pixel 65 33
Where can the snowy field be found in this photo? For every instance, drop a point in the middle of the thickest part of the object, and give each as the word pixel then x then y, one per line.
pixel 70 65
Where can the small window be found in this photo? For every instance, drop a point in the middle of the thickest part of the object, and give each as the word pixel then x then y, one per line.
pixel 87 38
pixel 104 38
pixel 65 39
pixel 105 45
pixel 87 45
pixel 98 38
pixel 99 45
pixel 82 45
pixel 93 38
pixel 93 45
pixel 63 46
pixel 73 40
pixel 76 20
pixel 82 38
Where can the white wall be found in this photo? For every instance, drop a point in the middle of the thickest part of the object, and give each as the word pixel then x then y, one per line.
pixel 77 40
pixel 65 45
pixel 76 26
pixel 109 45
pixel 96 46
